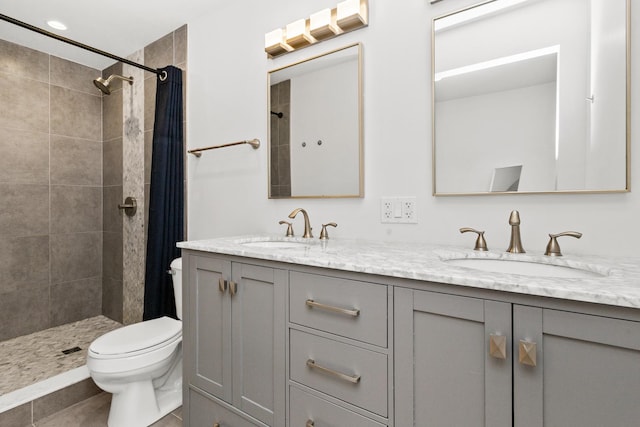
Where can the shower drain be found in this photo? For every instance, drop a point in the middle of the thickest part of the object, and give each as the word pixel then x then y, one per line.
pixel 71 350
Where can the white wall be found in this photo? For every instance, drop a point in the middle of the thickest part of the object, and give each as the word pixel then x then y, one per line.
pixel 227 100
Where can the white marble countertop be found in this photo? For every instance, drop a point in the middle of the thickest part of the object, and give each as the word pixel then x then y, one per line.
pixel 613 281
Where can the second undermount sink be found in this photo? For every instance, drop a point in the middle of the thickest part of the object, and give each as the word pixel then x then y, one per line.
pixel 523 268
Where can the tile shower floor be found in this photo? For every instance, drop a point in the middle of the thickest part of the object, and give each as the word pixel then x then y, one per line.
pixel 32 358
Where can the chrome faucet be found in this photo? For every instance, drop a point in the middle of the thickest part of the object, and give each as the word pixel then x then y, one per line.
pixel 515 244
pixel 307 227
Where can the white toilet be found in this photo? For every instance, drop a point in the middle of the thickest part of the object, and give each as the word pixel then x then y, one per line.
pixel 141 365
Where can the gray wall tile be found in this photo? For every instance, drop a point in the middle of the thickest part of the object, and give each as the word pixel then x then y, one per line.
pixel 159 54
pixel 112 162
pixel 24 156
pixel 24 209
pixel 22 61
pixel 112 255
pixel 75 209
pixel 24 261
pixel 25 104
pixel 112 115
pixel 112 216
pixel 116 84
pixel 72 301
pixel 150 87
pixel 148 152
pixel 62 399
pixel 75 256
pixel 112 298
pixel 75 161
pixel 17 417
pixel 74 76
pixel 24 311
pixel 75 114
pixel 180 45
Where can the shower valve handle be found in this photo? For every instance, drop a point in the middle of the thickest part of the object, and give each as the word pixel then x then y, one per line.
pixel 130 206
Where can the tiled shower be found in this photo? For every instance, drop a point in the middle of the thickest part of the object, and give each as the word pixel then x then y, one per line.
pixel 61 179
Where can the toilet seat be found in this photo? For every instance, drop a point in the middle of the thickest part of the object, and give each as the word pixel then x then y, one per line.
pixel 137 339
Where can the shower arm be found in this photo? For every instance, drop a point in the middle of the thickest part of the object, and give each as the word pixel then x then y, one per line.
pixel 162 74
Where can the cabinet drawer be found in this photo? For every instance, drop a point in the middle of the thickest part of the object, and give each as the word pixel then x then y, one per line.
pixel 349 308
pixel 305 408
pixel 204 412
pixel 350 373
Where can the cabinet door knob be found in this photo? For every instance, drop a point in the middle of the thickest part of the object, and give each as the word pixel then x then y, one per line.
pixel 498 346
pixel 310 423
pixel 222 285
pixel 233 288
pixel 216 424
pixel 527 350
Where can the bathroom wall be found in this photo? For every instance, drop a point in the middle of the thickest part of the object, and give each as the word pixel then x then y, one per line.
pixel 127 172
pixel 50 191
pixel 228 101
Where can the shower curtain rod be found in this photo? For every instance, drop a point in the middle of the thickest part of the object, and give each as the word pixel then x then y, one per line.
pixel 78 44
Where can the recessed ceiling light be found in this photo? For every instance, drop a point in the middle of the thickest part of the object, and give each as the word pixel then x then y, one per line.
pixel 57 25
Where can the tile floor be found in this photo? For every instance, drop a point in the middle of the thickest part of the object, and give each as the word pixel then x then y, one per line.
pixel 94 412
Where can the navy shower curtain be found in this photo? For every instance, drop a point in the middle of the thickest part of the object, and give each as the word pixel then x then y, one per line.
pixel 166 202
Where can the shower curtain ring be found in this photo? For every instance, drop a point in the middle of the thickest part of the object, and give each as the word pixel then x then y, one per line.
pixel 163 75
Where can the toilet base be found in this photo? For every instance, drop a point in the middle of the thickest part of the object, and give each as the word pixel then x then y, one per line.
pixel 141 406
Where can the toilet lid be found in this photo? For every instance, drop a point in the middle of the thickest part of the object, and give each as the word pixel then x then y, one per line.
pixel 136 337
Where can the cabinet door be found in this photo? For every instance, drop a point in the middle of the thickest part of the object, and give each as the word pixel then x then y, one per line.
pixel 206 413
pixel 208 360
pixel 587 370
pixel 444 373
pixel 258 337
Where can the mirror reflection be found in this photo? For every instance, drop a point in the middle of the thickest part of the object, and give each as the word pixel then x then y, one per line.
pixel 521 106
pixel 315 147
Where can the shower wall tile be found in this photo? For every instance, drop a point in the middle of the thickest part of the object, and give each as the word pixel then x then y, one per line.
pixel 22 61
pixel 25 104
pixel 24 311
pixel 75 209
pixel 112 116
pixel 24 157
pixel 24 261
pixel 75 161
pixel 112 255
pixel 76 114
pixel 111 215
pixel 77 300
pixel 24 209
pixel 17 417
pixel 114 69
pixel 112 298
pixel 112 161
pixel 150 87
pixel 159 54
pixel 180 45
pixel 74 76
pixel 75 256
pixel 62 399
pixel 148 152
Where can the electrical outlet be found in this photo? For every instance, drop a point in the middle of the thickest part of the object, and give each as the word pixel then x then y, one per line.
pixel 398 210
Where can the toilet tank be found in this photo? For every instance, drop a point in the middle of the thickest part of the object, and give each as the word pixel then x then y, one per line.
pixel 176 277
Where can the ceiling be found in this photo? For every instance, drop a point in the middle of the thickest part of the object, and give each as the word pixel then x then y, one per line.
pixel 120 27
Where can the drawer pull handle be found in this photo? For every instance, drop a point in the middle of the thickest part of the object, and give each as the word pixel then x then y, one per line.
pixel 498 346
pixel 349 312
pixel 354 379
pixel 310 423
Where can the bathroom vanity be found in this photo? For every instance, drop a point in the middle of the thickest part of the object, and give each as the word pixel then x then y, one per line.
pixel 299 332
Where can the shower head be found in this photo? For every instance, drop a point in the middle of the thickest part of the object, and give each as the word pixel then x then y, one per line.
pixel 103 84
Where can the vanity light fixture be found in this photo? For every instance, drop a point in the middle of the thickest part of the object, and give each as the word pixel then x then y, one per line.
pixel 323 25
pixel 346 16
pixel 352 14
pixel 298 34
pixel 274 43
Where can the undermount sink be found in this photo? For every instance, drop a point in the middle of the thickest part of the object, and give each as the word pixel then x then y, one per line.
pixel 523 268
pixel 276 244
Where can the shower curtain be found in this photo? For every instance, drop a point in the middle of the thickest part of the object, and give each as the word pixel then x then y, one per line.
pixel 166 210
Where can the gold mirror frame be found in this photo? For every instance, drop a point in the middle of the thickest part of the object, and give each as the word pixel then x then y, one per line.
pixel 627 162
pixel 360 128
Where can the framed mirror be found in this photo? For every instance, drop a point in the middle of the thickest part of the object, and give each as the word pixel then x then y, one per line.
pixel 315 126
pixel 532 96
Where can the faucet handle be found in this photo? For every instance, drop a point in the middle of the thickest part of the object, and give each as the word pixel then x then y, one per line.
pixel 289 228
pixel 481 244
pixel 324 234
pixel 553 249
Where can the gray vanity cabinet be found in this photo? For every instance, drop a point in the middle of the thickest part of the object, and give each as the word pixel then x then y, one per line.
pixel 569 369
pixel 444 373
pixel 587 370
pixel 235 339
